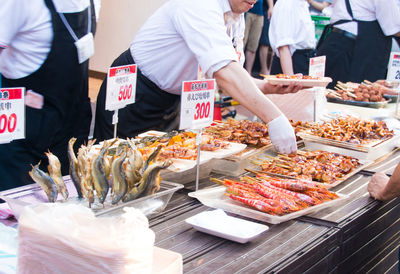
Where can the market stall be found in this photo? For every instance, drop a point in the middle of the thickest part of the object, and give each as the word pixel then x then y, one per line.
pixel 360 234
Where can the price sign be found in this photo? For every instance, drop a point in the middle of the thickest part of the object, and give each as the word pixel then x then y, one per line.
pixel 12 114
pixel 317 66
pixel 121 87
pixel 197 104
pixel 394 67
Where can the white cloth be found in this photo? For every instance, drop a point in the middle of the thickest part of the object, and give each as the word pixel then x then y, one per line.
pixel 26 33
pixel 291 25
pixel 387 12
pixel 183 34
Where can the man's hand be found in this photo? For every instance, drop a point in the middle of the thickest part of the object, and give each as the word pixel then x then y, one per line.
pixel 377 185
pixel 268 88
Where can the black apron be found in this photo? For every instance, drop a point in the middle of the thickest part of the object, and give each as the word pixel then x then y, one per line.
pixel 300 61
pixel 154 109
pixel 364 57
pixel 66 112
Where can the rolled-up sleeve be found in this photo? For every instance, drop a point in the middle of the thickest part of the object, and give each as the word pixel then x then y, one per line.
pixel 204 32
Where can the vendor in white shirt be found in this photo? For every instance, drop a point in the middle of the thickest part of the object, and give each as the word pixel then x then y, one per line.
pixel 37 52
pixel 292 37
pixel 358 46
pixel 178 38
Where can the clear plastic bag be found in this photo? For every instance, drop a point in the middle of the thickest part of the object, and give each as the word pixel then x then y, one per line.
pixel 57 238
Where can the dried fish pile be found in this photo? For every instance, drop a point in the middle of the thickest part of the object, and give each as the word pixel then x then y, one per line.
pixel 120 171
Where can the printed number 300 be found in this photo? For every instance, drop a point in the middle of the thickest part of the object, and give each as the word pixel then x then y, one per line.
pixel 202 110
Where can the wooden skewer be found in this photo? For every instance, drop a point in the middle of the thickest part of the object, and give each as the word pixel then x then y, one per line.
pixel 334 93
pixel 284 156
pixel 368 82
pixel 351 94
pixel 284 166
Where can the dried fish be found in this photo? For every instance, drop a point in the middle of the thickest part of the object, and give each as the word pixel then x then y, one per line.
pixel 45 181
pixel 54 169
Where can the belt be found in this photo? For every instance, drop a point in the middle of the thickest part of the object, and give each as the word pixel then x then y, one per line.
pixel 345 33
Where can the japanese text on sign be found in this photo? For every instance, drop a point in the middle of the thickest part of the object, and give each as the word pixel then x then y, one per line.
pixel 197 104
pixel 394 67
pixel 317 66
pixel 12 114
pixel 121 87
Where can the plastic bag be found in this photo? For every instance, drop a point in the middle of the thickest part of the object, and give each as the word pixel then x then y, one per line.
pixel 8 249
pixel 57 238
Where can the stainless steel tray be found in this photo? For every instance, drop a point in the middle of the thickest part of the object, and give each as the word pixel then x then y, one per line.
pixel 32 194
pixel 214 197
pixel 359 103
pixel 306 146
pixel 369 152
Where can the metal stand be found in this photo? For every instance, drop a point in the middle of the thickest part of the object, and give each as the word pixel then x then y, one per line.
pixel 115 122
pixel 198 142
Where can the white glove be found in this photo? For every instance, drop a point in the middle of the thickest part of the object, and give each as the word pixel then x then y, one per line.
pixel 282 135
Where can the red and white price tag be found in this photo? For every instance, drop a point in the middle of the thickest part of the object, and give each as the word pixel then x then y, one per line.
pixel 317 66
pixel 12 114
pixel 394 67
pixel 197 104
pixel 121 86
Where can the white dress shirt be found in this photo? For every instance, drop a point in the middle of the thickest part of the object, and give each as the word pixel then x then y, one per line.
pixel 385 11
pixel 291 25
pixel 183 34
pixel 26 33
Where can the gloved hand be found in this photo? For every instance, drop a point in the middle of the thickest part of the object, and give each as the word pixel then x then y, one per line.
pixel 282 135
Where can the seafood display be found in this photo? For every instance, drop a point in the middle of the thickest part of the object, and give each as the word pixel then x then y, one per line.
pixel 241 131
pixel 179 145
pixel 320 166
pixel 276 196
pixel 116 170
pixel 364 92
pixel 348 129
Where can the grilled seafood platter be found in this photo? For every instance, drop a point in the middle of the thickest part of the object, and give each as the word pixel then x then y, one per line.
pixel 348 129
pixel 276 196
pixel 179 145
pixel 118 171
pixel 320 166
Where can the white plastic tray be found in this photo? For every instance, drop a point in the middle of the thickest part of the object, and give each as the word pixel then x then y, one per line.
pixel 218 223
pixel 214 197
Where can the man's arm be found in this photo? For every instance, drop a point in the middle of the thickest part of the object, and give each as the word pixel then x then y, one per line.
pixel 286 60
pixel 270 8
pixel 235 81
pixel 318 5
pixel 383 188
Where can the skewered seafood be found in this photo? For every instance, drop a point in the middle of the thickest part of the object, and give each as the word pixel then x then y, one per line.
pixel 318 165
pixel 45 181
pixel 348 129
pixel 271 196
pixel 115 169
pixel 241 131
pixel 54 169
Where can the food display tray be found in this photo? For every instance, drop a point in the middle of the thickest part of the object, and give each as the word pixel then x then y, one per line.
pixel 215 197
pixel 235 165
pixel 323 82
pixel 32 194
pixel 359 103
pixel 368 152
pixel 305 146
